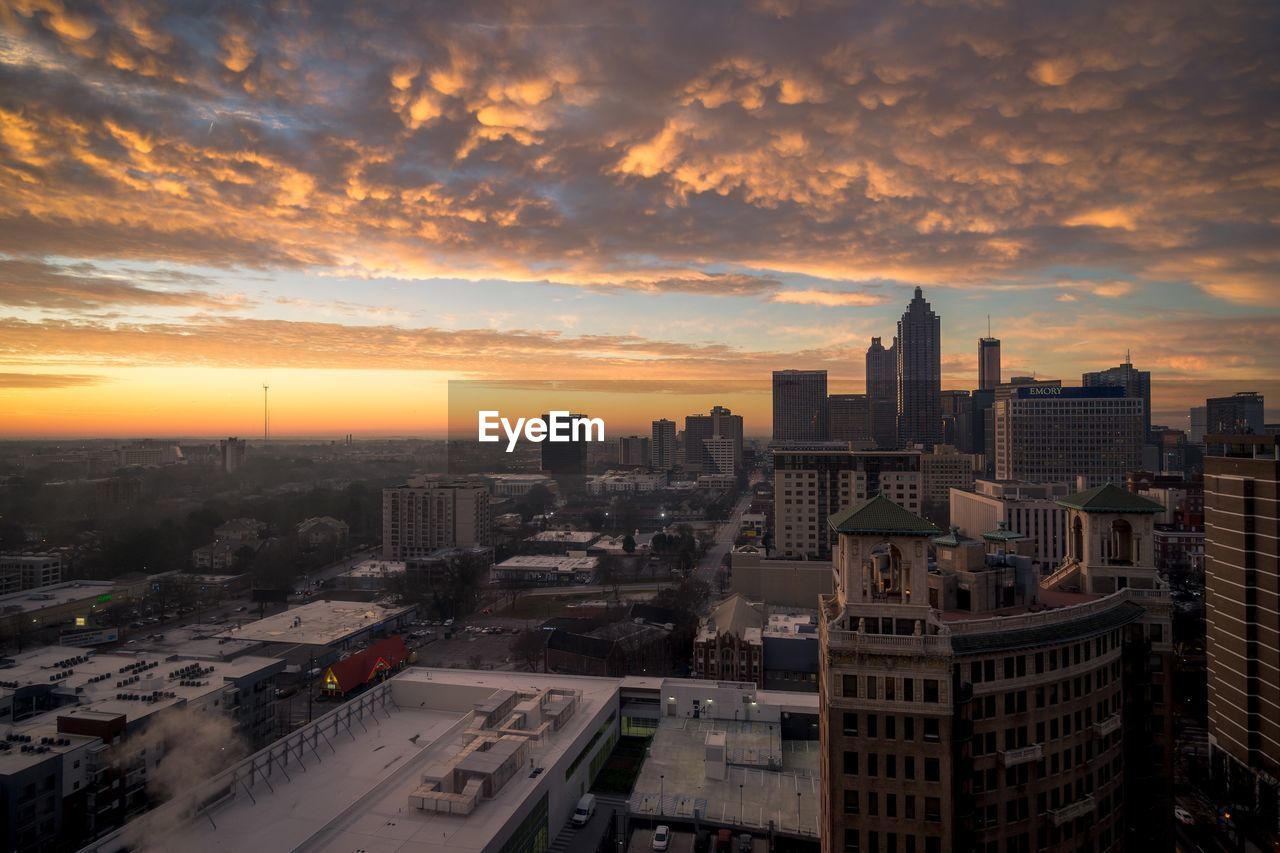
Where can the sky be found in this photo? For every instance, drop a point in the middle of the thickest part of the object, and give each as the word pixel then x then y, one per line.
pixel 355 202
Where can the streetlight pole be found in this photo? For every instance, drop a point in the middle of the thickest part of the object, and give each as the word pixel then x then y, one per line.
pixel 661 792
pixel 797 811
pixel 740 819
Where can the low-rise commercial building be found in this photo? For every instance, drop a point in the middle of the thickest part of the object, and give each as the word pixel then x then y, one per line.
pixel 1031 509
pixel 546 570
pixel 29 570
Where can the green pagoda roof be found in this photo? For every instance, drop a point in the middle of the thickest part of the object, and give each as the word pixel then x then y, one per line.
pixel 953 539
pixel 1110 498
pixel 880 516
pixel 1003 534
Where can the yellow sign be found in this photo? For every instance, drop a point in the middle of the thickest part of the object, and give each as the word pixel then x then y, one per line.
pixel 81 622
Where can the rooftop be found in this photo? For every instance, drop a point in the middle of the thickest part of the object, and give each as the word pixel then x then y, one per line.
pixel 319 623
pixel 1110 498
pixel 879 515
pixel 31 600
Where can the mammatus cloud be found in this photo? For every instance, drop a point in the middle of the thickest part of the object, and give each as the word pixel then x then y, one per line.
pixel 578 142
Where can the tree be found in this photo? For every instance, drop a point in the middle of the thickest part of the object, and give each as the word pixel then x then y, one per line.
pixel 629 544
pixel 536 501
pixel 527 648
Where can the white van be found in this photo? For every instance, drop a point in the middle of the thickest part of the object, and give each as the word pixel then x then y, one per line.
pixel 586 808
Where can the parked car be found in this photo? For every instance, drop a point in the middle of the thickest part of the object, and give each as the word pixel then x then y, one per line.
pixel 662 837
pixel 586 808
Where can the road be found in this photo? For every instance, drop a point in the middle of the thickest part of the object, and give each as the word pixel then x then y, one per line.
pixel 725 534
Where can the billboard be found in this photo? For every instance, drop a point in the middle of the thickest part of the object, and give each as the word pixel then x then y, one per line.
pixel 1068 392
pixel 89 637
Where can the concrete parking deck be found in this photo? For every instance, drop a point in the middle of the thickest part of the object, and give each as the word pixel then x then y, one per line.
pixel 674 782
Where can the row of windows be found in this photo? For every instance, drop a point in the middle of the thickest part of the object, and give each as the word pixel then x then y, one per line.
pixel 854 843
pixel 886 687
pixel 855 766
pixel 874 803
pixel 872 729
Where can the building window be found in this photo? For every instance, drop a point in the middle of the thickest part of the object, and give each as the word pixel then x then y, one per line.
pixel 850 802
pixel 932 771
pixel 850 763
pixel 931 690
pixel 851 724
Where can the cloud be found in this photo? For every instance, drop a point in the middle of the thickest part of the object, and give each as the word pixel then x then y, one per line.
pixel 47 380
pixel 931 143
pixel 830 298
pixel 36 284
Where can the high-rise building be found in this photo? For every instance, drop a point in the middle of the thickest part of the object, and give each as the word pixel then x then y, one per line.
pixel 967 707
pixel 1054 434
pixel 662 445
pixel 564 458
pixel 699 429
pixel 849 417
pixel 812 483
pixel 799 405
pixel 882 393
pixel 1136 383
pixel 919 352
pixel 1198 422
pixel 944 469
pixel 957 428
pixel 988 363
pixel 633 450
pixel 1241 413
pixel 1242 597
pixel 429 513
pixel 232 453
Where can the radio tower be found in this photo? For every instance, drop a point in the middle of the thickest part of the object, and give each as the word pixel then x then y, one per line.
pixel 266 415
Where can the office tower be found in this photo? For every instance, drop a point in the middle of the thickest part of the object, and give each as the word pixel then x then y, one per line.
pixel 1198 423
pixel 966 707
pixel 1054 434
pixel 810 484
pixel 565 458
pixel 882 393
pixel 232 453
pixel 956 425
pixel 1136 383
pixel 1170 446
pixel 633 450
pixel 721 455
pixel 799 405
pixel 919 353
pixel 429 513
pixel 1241 413
pixel 988 363
pixel 848 417
pixel 941 470
pixel 1242 597
pixel 662 445
pixel 699 429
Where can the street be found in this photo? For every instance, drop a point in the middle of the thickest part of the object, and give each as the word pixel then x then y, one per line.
pixel 725 535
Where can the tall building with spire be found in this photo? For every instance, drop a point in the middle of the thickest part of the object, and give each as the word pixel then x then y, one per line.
pixel 988 362
pixel 919 355
pixel 1136 383
pixel 882 393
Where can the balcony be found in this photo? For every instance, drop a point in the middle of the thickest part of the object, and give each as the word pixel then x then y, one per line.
pixel 1107 726
pixel 1021 755
pixel 1079 808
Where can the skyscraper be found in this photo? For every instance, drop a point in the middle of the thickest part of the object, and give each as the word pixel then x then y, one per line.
pixel 662 445
pixel 1136 383
pixel 848 417
pixel 430 513
pixel 566 458
pixel 988 363
pixel 633 450
pixel 799 405
pixel 1242 560
pixel 919 348
pixel 1241 413
pixel 1198 424
pixel 882 393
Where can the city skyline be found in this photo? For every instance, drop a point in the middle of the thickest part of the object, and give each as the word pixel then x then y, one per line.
pixel 351 207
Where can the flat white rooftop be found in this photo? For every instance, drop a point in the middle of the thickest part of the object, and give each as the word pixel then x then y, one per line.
pixel 318 623
pixel 354 796
pixel 31 600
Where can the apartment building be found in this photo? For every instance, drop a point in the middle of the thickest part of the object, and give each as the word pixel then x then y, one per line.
pixel 432 513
